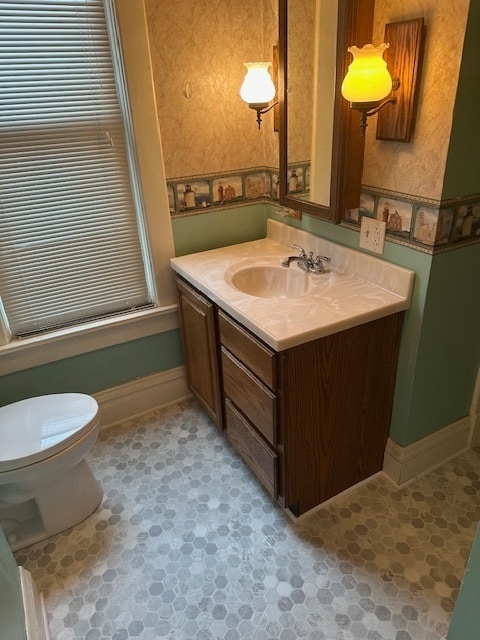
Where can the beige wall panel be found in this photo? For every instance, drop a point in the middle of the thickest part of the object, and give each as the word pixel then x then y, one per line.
pixel 205 43
pixel 418 167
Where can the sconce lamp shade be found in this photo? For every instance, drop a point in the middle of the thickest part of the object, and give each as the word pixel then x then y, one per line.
pixel 368 79
pixel 257 87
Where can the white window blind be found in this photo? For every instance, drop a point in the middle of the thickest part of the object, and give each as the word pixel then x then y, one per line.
pixel 70 243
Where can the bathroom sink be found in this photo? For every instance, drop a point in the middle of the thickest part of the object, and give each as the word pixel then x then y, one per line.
pixel 267 281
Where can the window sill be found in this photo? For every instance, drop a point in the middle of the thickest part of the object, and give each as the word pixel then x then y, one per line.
pixel 73 341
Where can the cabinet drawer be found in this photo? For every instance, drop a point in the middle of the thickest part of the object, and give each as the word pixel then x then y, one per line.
pixel 253 398
pixel 256 356
pixel 256 453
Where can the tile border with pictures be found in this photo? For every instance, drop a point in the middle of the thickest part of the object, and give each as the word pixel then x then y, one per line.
pixel 423 224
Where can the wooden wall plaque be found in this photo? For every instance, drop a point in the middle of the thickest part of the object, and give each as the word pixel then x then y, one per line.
pixel 403 58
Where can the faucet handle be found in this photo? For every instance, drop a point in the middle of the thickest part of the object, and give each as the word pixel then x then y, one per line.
pixel 301 249
pixel 318 263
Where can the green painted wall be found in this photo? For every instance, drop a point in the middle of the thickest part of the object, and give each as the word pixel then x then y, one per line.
pixel 215 229
pixel 96 370
pixel 449 350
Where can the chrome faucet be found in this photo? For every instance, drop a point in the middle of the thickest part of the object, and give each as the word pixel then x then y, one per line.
pixel 307 263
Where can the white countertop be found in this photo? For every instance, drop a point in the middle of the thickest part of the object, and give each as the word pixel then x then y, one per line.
pixel 355 289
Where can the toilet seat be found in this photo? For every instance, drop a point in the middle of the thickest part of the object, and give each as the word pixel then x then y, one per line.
pixel 37 428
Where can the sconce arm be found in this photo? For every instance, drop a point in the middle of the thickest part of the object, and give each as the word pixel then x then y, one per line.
pixel 368 109
pixel 261 109
pixel 372 112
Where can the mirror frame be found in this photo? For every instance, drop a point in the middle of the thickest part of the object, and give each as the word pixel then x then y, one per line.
pixel 355 26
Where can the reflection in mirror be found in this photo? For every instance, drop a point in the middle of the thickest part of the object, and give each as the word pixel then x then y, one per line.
pixel 325 60
pixel 321 149
pixel 311 60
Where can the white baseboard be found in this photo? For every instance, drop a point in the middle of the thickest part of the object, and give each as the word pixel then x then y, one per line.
pixel 143 394
pixel 402 464
pixel 475 414
pixel 475 441
pixel 476 397
pixel 35 615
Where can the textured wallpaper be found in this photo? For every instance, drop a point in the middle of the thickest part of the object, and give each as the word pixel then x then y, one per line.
pixel 418 167
pixel 198 50
pixel 199 47
pixel 301 53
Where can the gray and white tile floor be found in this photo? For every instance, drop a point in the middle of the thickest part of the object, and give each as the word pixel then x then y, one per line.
pixel 186 544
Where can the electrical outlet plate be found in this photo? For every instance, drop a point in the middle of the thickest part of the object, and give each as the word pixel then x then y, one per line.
pixel 372 234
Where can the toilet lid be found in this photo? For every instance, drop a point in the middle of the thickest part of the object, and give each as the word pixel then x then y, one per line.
pixel 37 428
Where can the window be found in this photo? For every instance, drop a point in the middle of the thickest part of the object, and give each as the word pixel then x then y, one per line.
pixel 76 240
pixel 70 248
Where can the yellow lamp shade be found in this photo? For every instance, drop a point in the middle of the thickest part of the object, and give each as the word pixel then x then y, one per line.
pixel 368 79
pixel 257 86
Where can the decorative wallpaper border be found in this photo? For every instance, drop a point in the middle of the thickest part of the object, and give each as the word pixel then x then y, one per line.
pixel 197 194
pixel 427 225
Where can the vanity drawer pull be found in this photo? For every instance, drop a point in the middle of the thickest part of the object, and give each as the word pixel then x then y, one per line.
pixel 256 453
pixel 256 356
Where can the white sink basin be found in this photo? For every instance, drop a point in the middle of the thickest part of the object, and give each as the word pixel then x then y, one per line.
pixel 289 307
pixel 272 282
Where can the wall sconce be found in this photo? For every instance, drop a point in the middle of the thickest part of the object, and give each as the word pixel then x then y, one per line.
pixel 257 88
pixel 368 83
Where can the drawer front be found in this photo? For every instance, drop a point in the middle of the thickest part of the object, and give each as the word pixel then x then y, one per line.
pixel 253 398
pixel 256 453
pixel 256 356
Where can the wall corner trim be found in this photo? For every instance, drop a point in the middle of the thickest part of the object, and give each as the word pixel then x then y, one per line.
pixel 34 608
pixel 404 464
pixel 475 414
pixel 133 398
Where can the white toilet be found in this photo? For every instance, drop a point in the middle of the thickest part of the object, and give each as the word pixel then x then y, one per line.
pixel 46 485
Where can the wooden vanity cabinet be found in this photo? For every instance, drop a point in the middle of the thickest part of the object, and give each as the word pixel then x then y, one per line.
pixel 310 421
pixel 199 338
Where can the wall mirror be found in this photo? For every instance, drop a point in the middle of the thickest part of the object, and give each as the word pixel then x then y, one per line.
pixel 321 147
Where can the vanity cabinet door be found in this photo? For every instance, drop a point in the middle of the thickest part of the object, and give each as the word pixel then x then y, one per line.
pixel 197 315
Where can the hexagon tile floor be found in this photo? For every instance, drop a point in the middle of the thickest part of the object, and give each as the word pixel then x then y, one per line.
pixel 187 545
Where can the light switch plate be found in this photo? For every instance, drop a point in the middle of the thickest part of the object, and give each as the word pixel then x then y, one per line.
pixel 372 234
